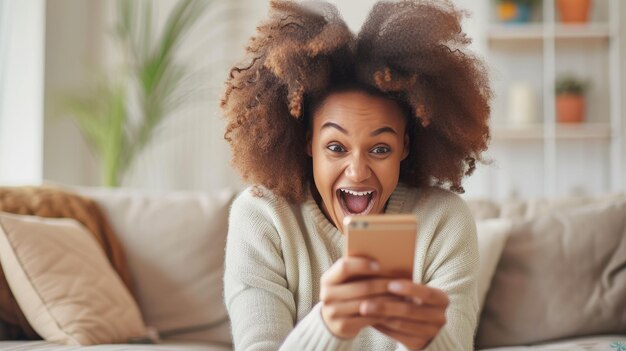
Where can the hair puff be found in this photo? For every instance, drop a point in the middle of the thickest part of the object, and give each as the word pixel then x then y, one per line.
pixel 411 51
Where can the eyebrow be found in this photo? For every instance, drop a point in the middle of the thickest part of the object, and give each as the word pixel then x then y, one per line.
pixel 383 130
pixel 374 133
pixel 336 126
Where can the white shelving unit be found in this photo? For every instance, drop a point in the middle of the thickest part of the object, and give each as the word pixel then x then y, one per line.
pixel 587 131
pixel 547 158
pixel 535 31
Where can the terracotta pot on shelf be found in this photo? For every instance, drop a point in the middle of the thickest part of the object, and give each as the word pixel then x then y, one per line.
pixel 574 11
pixel 570 108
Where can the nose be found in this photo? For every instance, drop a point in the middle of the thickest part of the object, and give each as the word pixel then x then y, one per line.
pixel 358 169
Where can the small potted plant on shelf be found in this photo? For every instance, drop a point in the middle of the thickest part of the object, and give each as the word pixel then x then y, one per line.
pixel 574 11
pixel 570 99
pixel 515 11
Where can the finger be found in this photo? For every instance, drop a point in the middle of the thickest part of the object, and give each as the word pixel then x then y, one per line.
pixel 421 294
pixel 354 290
pixel 419 329
pixel 409 341
pixel 407 310
pixel 342 309
pixel 349 267
pixel 351 325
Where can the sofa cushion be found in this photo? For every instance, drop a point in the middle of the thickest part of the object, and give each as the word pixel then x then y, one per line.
pixel 174 243
pixel 560 275
pixel 483 208
pixel 586 343
pixel 64 284
pixel 492 235
pixel 526 209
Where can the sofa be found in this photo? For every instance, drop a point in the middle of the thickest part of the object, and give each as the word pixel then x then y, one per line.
pixel 174 244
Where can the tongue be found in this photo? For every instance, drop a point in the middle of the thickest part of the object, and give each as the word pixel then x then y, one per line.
pixel 355 203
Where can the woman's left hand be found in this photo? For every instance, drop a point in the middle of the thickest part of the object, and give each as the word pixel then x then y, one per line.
pixel 415 315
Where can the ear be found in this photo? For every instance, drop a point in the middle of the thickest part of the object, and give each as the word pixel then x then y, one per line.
pixel 309 146
pixel 405 153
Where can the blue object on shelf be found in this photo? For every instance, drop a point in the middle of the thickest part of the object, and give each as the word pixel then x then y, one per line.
pixel 514 12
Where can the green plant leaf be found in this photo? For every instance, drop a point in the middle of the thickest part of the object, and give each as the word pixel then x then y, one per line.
pixel 151 77
pixel 570 84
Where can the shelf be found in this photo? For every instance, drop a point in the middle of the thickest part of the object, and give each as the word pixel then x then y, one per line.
pixel 535 31
pixel 591 131
pixel 582 31
pixel 558 157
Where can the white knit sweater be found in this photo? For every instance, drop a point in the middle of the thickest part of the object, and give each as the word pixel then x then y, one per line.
pixel 276 253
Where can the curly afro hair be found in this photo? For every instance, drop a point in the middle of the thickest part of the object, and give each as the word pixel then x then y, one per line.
pixel 411 51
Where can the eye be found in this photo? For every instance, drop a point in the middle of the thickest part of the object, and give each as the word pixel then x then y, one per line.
pixel 381 150
pixel 336 148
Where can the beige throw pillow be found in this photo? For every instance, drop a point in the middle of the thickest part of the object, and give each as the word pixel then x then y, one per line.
pixel 64 283
pixel 560 275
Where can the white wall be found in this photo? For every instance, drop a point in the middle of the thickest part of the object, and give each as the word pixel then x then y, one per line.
pixel 21 90
pixel 74 36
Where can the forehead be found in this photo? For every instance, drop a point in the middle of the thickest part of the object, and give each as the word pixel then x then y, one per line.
pixel 356 107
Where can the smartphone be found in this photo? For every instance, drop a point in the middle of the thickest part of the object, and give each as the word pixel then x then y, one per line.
pixel 388 239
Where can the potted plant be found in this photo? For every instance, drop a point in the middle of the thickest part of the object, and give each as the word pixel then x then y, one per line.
pixel 570 99
pixel 574 11
pixel 119 113
pixel 515 11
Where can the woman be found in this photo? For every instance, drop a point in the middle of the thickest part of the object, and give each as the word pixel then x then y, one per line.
pixel 325 125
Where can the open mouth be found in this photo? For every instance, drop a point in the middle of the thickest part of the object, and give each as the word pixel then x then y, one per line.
pixel 355 202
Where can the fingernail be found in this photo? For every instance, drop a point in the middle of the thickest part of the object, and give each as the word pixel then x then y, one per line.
pixel 363 308
pixel 374 266
pixel 395 286
pixel 418 301
pixel 367 308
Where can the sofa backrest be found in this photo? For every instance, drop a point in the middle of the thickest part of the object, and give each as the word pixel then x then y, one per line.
pixel 530 208
pixel 174 243
pixel 556 263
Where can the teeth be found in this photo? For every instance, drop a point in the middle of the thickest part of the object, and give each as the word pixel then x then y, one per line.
pixel 357 193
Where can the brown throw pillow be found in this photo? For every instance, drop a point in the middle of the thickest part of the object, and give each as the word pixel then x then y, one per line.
pixel 560 275
pixel 54 203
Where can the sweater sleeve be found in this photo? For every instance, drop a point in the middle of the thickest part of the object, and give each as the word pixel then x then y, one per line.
pixel 261 307
pixel 452 266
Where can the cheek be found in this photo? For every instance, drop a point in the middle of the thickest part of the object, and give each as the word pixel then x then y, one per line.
pixel 325 172
pixel 388 174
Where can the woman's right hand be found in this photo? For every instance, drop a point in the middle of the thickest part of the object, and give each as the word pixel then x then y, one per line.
pixel 342 296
